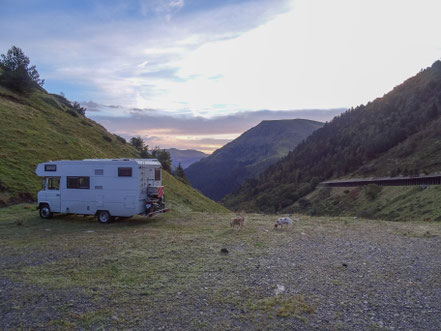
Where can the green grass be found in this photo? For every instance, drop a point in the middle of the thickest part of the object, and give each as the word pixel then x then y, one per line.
pixel 40 127
pixel 182 197
pixel 411 203
pixel 37 128
pixel 284 306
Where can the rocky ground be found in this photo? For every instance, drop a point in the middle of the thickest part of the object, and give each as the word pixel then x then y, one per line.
pixel 193 271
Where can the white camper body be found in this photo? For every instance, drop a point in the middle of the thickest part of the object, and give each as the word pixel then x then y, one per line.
pixel 102 187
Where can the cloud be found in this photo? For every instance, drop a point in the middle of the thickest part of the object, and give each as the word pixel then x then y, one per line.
pixel 91 106
pixel 160 6
pixel 202 59
pixel 196 132
pixel 118 57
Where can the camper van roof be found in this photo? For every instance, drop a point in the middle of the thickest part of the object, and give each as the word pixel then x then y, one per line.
pixel 50 167
pixel 140 161
pixel 148 162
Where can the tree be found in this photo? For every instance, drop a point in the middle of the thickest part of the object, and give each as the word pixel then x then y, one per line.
pixel 16 73
pixel 143 149
pixel 180 173
pixel 137 142
pixel 163 156
pixel 77 107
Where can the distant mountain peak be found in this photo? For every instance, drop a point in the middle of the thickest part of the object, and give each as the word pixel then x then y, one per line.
pixel 248 155
pixel 185 157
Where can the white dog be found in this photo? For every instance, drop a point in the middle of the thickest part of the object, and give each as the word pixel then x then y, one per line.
pixel 281 221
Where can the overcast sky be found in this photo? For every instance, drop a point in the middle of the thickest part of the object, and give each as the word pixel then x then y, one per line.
pixel 193 62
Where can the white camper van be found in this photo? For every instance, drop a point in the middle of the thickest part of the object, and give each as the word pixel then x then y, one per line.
pixel 102 187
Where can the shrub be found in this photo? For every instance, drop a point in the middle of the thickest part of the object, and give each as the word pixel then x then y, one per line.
pixel 86 123
pixel 368 213
pixel 80 110
pixel 72 112
pixel 120 139
pixel 303 202
pixel 371 191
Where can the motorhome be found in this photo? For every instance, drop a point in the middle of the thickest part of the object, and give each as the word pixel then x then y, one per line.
pixel 105 188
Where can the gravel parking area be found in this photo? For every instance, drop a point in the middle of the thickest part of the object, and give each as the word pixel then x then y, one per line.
pixel 171 273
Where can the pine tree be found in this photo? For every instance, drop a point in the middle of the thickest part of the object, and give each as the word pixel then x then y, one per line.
pixel 180 173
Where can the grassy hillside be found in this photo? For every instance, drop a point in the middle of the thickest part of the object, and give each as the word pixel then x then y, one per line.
pixel 248 155
pixel 398 134
pixel 39 127
pixel 413 203
pixel 42 127
pixel 183 197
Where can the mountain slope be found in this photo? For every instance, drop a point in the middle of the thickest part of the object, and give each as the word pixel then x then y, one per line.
pixel 184 157
pixel 396 134
pixel 41 127
pixel 247 155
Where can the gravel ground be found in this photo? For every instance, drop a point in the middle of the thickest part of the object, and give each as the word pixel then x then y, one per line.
pixel 318 274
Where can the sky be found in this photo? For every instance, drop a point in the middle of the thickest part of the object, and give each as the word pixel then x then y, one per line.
pixel 198 73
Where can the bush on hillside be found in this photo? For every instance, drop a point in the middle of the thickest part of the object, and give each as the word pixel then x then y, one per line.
pixel 371 191
pixel 77 107
pixel 72 112
pixel 120 139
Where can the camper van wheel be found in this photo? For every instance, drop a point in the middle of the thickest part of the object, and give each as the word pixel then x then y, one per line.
pixel 45 212
pixel 104 216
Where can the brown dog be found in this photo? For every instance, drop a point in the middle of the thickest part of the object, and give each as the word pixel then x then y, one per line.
pixel 238 221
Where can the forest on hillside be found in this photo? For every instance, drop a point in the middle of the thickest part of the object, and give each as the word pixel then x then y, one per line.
pixel 347 143
pixel 248 155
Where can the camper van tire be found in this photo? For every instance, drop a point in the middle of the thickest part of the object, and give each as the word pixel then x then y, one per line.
pixel 104 216
pixel 45 211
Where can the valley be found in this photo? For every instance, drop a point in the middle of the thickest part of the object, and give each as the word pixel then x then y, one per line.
pixel 395 135
pixel 359 258
pixel 248 155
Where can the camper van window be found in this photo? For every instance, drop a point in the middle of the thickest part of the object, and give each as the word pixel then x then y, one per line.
pixel 158 174
pixel 99 172
pixel 78 182
pixel 53 183
pixel 124 172
pixel 50 167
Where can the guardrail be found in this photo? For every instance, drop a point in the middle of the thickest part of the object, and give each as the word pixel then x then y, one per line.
pixel 386 181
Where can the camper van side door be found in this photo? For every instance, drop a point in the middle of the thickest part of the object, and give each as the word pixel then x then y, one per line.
pixel 53 196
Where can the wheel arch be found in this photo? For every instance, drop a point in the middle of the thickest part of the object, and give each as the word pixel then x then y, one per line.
pixel 43 203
